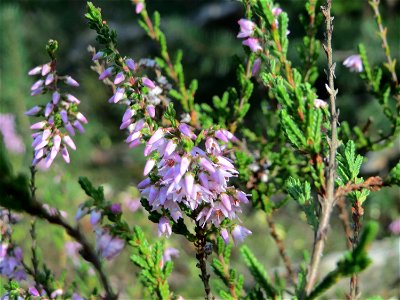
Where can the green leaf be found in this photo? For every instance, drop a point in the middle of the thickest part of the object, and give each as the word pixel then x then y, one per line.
pixel 292 131
pixel 259 273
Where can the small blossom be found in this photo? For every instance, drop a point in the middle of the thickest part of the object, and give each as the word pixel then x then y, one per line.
pixel 56 97
pixel 149 166
pixel 354 63
pixel 106 73
pixel 139 7
pixel 164 227
pixel 130 63
pixel 107 245
pixel 276 11
pixel 119 78
pixel 46 69
pixel 82 211
pixel 225 236
pixel 33 111
pixel 49 79
pixel 253 44
pixel 394 227
pixel 148 83
pixel 98 55
pixel 70 81
pixel 116 208
pixel 35 71
pixel 318 103
pixel 239 233
pixel 151 111
pixel 246 28
pixel 256 67
pixel 33 291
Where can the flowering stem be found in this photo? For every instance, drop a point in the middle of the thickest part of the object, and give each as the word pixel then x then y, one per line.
pixel 282 250
pixel 329 197
pixel 201 256
pixel 87 252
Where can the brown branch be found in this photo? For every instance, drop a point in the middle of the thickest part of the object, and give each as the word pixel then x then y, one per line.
pixel 357 213
pixel 329 198
pixel 374 183
pixel 201 256
pixel 282 251
pixel 227 277
pixel 344 217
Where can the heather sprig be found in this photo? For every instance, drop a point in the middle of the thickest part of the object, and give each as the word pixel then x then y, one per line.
pixel 61 114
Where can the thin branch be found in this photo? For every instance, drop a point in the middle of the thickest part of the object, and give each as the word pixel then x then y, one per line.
pixel 282 251
pixel 357 213
pixel 201 256
pixel 344 217
pixel 374 183
pixel 329 197
pixel 382 34
pixel 227 277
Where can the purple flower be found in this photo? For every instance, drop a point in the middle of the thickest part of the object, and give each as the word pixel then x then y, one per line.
pixel 33 291
pixel 33 111
pixel 253 44
pixel 119 78
pixel 130 63
pixel 225 235
pixel 354 63
pixel 107 245
pixel 56 97
pixel 168 254
pixel 246 28
pixel 98 55
pixel 119 94
pixel 49 79
pixel 164 227
pixel 106 73
pixel 239 233
pixel 148 83
pixel 70 81
pixel 186 130
pixel 151 111
pixel 149 166
pixel 37 85
pixel 35 71
pixel 82 211
pixel 276 11
pixel 46 69
pixel 116 208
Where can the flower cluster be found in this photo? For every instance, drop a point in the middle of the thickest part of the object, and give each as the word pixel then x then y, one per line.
pixel 61 115
pixel 247 28
pixel 181 179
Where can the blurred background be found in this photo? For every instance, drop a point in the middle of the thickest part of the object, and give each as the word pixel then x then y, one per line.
pixel 206 31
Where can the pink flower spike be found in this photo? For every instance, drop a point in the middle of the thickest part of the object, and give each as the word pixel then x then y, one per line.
pixel 225 236
pixel 106 73
pixel 70 81
pixel 139 7
pixel 98 55
pixel 56 97
pixel 131 64
pixel 33 111
pixel 164 227
pixel 119 94
pixel 49 79
pixel 46 69
pixel 69 142
pixel 149 83
pixel 35 70
pixel 246 28
pixel 318 103
pixel 156 136
pixel 151 110
pixel 354 63
pixel 119 78
pixel 80 117
pixel 149 166
pixel 38 125
pixel 65 154
pixel 239 233
pixel 95 217
pixel 37 85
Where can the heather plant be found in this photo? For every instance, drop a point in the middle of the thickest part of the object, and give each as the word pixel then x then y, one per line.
pixel 206 166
